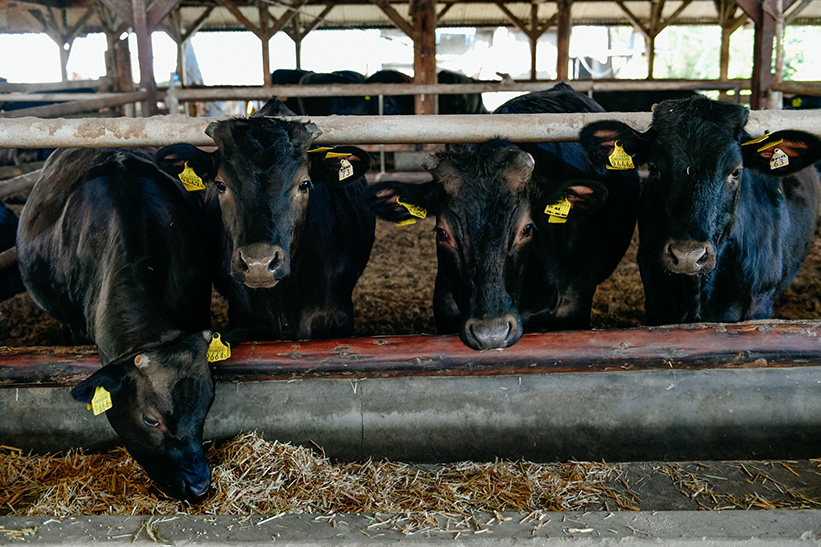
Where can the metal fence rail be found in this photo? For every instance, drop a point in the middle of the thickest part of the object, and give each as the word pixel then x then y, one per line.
pixel 163 130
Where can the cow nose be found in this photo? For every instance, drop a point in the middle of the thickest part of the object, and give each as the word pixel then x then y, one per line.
pixel 491 333
pixel 198 485
pixel 260 265
pixel 689 257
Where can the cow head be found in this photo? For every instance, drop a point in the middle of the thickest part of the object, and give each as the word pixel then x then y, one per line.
pixel 160 399
pixel 484 199
pixel 698 160
pixel 261 176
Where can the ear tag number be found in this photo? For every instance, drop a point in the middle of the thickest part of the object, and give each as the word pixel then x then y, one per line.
pixel 218 351
pixel 619 159
pixel 779 159
pixel 320 149
pixel 101 401
pixel 190 179
pixel 345 169
pixel 558 211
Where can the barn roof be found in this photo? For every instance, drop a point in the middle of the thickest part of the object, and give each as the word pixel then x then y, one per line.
pixel 33 15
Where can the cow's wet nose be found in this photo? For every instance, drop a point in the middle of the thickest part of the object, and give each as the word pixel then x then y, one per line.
pixel 689 257
pixel 260 265
pixel 491 333
pixel 197 486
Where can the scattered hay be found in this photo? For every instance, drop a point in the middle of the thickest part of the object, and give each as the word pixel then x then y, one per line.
pixel 764 492
pixel 253 476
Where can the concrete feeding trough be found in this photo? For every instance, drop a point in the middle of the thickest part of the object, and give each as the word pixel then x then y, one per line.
pixel 707 391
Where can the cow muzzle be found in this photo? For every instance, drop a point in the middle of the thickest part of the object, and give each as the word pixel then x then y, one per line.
pixel 260 265
pixel 491 333
pixel 688 257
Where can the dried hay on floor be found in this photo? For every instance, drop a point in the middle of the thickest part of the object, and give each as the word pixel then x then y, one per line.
pixel 759 491
pixel 253 476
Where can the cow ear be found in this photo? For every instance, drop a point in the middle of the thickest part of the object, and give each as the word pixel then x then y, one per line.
pixel 172 159
pixel 573 198
pixel 602 142
pixel 782 153
pixel 111 377
pixel 273 107
pixel 398 201
pixel 339 166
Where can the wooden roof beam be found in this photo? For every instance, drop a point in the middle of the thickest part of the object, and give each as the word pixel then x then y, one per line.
pixel 395 18
pixel 633 19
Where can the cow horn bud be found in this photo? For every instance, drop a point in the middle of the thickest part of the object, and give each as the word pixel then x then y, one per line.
pixel 141 360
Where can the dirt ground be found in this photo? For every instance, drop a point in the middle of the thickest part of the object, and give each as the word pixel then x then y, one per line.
pixel 395 294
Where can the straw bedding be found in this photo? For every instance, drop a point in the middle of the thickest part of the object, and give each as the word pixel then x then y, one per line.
pixel 254 476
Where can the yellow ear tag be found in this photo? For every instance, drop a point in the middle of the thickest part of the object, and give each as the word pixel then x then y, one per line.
pixel 619 159
pixel 337 155
pixel 558 211
pixel 190 179
pixel 406 222
pixel 218 351
pixel 779 159
pixel 758 140
pixel 345 169
pixel 415 210
pixel 770 145
pixel 320 149
pixel 101 401
pixel 796 102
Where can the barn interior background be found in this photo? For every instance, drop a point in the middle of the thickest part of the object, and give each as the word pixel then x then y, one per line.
pixel 394 296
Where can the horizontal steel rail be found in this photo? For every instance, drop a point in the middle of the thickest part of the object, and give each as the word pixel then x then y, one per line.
pixel 163 130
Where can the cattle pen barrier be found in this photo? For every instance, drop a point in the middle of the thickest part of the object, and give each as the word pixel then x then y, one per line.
pixel 29 132
pixel 682 392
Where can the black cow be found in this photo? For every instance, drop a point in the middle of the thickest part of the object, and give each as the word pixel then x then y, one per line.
pixel 326 106
pixel 459 103
pixel 638 101
pixel 288 224
pixel 10 281
pixel 393 104
pixel 112 247
pixel 725 220
pixel 289 76
pixel 504 265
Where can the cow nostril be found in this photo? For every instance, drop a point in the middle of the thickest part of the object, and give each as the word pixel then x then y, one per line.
pixel 242 264
pixel 274 263
pixel 668 249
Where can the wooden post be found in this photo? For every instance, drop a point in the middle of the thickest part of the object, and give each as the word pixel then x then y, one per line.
pixel 562 39
pixel 423 15
pixel 265 39
pixel 145 53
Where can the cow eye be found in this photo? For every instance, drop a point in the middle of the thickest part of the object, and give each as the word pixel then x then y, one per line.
pixel 527 230
pixel 734 176
pixel 221 186
pixel 441 234
pixel 150 422
pixel 304 185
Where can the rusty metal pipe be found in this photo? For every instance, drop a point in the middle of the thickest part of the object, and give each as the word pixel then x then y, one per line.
pixel 704 391
pixel 163 130
pixel 73 107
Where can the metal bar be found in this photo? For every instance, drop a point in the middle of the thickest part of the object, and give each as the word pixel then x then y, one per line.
pixel 6 87
pixel 8 258
pixel 754 344
pixel 804 88
pixel 163 130
pixel 73 107
pixel 54 97
pixel 20 183
pixel 345 90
